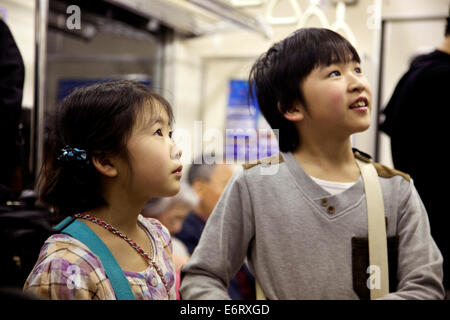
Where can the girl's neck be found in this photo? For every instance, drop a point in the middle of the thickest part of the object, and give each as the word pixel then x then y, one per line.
pixel 328 159
pixel 123 218
pixel 122 209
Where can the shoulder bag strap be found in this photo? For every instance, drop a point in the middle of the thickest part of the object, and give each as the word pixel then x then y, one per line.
pixel 259 292
pixel 378 258
pixel 114 272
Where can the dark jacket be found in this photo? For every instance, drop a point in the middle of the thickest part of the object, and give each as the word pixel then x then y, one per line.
pixel 417 120
pixel 11 89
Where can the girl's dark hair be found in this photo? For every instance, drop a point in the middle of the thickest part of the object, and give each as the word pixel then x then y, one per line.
pixel 99 119
pixel 277 75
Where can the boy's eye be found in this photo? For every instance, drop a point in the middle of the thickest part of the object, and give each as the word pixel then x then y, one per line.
pixel 334 74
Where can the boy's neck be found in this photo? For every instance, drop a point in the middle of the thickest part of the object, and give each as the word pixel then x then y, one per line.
pixel 445 45
pixel 331 160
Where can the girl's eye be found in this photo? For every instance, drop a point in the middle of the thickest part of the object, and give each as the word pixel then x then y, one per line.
pixel 170 134
pixel 159 132
pixel 334 74
pixel 358 70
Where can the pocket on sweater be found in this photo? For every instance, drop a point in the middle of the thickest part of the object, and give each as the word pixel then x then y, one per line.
pixel 360 263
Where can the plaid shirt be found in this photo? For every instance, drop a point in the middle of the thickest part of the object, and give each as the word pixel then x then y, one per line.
pixel 67 269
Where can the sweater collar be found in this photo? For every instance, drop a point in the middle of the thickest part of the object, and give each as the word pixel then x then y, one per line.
pixel 341 202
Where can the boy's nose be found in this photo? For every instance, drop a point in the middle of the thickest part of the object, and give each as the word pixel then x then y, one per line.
pixel 356 84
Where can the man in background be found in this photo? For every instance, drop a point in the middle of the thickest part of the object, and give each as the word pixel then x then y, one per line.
pixel 417 120
pixel 209 182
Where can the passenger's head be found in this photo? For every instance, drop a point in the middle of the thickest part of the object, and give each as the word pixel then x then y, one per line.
pixel 209 182
pixel 277 75
pixel 104 132
pixel 172 211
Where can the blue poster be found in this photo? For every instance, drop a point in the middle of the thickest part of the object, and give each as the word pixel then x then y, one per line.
pixel 66 86
pixel 248 136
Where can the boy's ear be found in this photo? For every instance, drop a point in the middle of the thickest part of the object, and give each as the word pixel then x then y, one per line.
pixel 104 164
pixel 295 113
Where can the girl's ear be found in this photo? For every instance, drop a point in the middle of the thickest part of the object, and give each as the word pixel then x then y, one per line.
pixel 105 165
pixel 295 114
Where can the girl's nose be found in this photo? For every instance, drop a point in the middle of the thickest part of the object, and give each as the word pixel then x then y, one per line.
pixel 176 152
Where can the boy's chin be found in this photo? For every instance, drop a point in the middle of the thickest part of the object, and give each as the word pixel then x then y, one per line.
pixel 361 127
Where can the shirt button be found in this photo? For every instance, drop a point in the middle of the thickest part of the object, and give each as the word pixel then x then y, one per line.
pixel 324 202
pixel 154 282
pixel 330 209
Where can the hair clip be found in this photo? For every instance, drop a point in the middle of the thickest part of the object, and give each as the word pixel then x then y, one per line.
pixel 73 156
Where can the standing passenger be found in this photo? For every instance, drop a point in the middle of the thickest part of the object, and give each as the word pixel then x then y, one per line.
pixel 417 122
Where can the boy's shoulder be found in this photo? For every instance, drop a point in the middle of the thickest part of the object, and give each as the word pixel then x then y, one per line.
pixel 272 160
pixel 382 170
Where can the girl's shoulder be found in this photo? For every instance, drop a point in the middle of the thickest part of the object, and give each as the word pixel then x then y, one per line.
pixel 64 246
pixel 67 269
pixel 155 228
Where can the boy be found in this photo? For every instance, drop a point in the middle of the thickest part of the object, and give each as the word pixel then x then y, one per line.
pixel 304 229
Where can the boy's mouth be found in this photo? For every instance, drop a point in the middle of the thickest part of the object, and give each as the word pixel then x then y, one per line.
pixel 361 102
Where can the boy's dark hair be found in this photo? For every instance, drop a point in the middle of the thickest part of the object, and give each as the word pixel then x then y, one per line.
pixel 276 76
pixel 98 119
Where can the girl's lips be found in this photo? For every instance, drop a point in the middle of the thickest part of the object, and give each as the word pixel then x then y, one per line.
pixel 178 170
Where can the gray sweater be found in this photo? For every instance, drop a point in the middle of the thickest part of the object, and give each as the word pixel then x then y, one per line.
pixel 304 243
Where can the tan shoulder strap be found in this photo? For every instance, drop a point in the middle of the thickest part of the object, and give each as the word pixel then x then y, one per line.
pixel 378 258
pixel 259 293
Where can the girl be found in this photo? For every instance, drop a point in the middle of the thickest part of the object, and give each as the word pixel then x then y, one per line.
pixel 108 150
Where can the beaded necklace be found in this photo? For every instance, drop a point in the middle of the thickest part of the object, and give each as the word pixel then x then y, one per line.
pixel 133 244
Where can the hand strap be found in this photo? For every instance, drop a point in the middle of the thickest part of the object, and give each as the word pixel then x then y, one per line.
pixel 378 261
pixel 114 272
